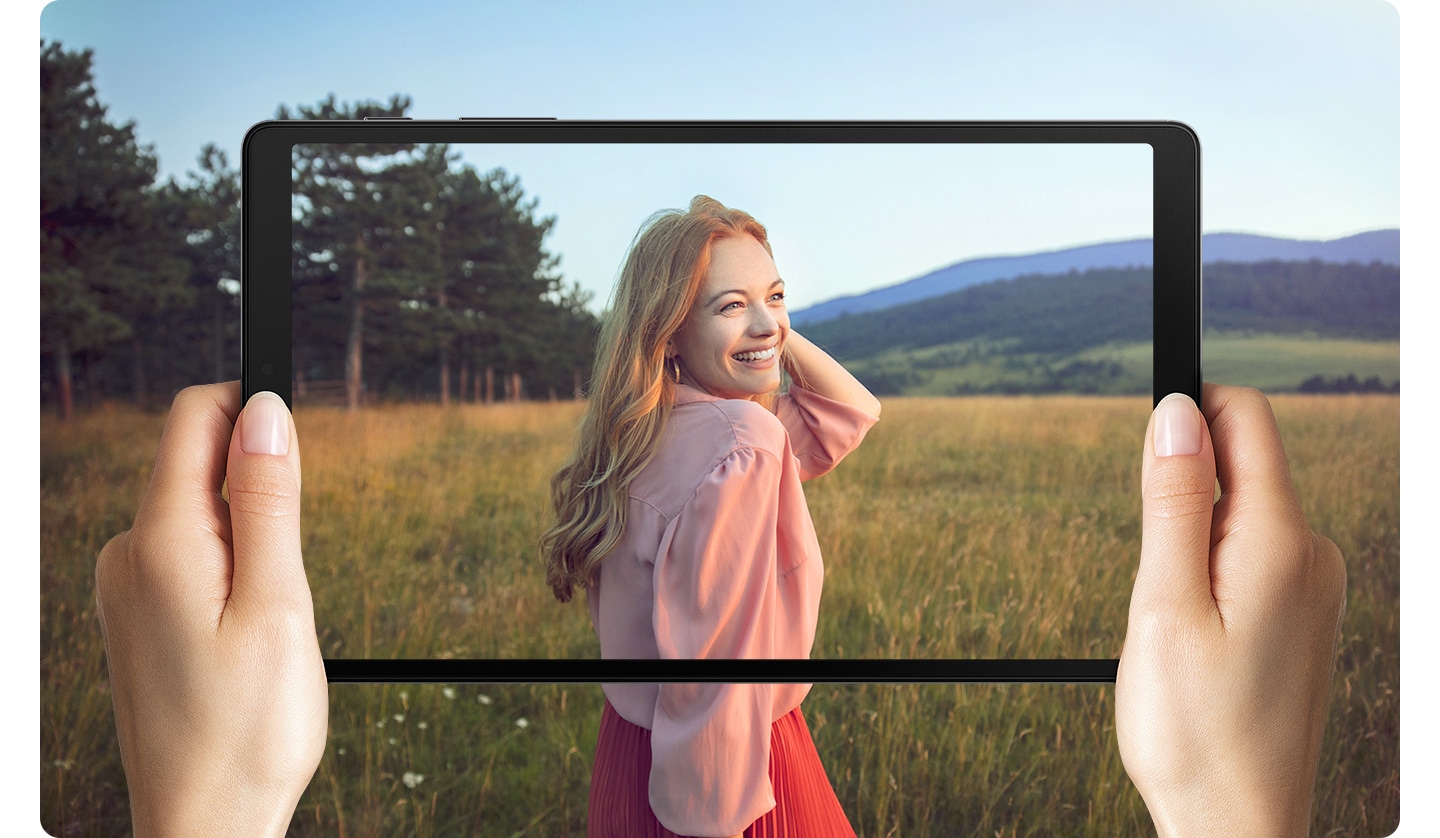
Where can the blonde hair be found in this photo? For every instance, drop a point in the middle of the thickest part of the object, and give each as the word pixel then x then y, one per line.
pixel 630 392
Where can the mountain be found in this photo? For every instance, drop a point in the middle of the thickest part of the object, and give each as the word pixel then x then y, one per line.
pixel 1090 331
pixel 1373 246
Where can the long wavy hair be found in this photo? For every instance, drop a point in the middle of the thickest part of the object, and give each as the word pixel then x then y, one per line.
pixel 631 394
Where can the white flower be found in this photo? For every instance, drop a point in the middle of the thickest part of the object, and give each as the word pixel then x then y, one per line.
pixel 522 722
pixel 422 725
pixel 380 723
pixel 393 741
pixel 448 692
pixel 340 751
pixel 399 717
pixel 483 698
pixel 404 696
pixel 411 779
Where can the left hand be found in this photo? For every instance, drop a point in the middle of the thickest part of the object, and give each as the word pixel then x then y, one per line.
pixel 215 671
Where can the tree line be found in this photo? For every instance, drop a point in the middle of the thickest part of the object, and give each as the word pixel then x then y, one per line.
pixel 1068 313
pixel 413 276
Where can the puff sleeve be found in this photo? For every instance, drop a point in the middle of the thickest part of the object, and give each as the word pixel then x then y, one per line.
pixel 822 431
pixel 718 580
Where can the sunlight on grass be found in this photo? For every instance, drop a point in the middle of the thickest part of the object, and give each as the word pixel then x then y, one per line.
pixel 976 527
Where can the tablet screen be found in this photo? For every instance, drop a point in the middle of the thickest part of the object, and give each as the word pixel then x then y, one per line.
pixel 998 297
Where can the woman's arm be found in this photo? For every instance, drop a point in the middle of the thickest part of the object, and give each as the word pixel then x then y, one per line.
pixel 816 371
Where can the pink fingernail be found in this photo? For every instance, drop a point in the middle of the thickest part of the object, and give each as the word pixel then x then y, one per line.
pixel 1177 426
pixel 265 426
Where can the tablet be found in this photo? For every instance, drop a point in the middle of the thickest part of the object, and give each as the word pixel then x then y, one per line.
pixel 426 295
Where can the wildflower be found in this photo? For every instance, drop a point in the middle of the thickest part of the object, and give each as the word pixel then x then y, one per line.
pixel 483 698
pixel 404 696
pixel 394 741
pixel 422 725
pixel 448 692
pixel 411 779
pixel 340 751
pixel 399 717
pixel 522 722
pixel 380 723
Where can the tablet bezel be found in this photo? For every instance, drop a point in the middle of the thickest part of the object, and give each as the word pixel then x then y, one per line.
pixel 266 340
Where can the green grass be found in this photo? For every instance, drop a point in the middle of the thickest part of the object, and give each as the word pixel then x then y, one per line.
pixel 977 527
pixel 1272 363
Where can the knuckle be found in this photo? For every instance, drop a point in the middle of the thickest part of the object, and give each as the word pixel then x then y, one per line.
pixel 269 492
pixel 1179 493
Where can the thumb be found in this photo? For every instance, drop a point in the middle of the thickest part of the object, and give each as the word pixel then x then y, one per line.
pixel 1178 490
pixel 263 480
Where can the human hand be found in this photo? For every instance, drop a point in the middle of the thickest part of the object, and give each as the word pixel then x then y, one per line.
pixel 1221 695
pixel 215 670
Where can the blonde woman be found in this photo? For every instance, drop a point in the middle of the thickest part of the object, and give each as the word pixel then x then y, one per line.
pixel 681 514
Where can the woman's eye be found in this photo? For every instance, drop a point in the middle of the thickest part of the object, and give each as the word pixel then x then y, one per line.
pixel 778 296
pixel 729 306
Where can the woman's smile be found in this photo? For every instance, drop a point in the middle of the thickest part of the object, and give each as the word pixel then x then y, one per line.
pixel 732 338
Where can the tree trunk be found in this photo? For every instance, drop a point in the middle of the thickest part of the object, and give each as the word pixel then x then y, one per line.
pixel 65 381
pixel 137 372
pixel 464 379
pixel 355 341
pixel 489 384
pixel 219 334
pixel 444 377
pixel 515 391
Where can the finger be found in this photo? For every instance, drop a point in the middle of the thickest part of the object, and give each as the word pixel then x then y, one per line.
pixel 264 490
pixel 170 559
pixel 1249 456
pixel 190 462
pixel 1178 495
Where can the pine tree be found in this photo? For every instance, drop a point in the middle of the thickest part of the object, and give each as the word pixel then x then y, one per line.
pixel 105 259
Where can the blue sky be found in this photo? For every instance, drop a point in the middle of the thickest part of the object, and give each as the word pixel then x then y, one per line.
pixel 1297 105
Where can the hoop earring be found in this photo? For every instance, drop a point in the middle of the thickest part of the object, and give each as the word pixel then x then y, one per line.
pixel 675 359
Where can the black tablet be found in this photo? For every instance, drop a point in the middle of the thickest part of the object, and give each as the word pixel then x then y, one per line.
pixel 426 295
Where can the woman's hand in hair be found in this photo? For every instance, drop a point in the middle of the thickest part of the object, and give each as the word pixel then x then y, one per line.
pixel 814 370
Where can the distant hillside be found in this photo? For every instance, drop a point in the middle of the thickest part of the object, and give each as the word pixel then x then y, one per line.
pixel 1374 246
pixel 1066 313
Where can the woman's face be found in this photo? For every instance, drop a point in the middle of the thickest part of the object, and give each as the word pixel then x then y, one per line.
pixel 729 345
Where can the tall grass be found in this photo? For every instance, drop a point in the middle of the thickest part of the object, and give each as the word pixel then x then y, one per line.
pixel 961 528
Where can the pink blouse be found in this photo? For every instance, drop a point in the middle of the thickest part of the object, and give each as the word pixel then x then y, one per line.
pixel 719 560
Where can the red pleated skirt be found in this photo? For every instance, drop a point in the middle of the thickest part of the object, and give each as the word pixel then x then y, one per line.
pixel 805 802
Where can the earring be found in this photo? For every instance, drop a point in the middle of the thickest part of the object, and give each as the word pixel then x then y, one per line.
pixel 676 360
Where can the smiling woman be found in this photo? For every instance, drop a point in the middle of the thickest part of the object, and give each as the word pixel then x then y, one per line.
pixel 681 514
pixel 729 344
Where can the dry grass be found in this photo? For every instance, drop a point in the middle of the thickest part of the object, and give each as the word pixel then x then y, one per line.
pixel 962 528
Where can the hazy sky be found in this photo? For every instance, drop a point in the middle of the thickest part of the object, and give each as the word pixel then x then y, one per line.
pixel 1296 103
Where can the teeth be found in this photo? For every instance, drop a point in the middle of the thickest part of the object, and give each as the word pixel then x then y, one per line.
pixel 763 355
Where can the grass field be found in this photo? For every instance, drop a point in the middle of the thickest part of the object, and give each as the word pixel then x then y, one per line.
pixel 977 527
pixel 1271 362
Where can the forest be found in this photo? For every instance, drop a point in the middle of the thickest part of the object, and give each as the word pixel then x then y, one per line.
pixel 414 277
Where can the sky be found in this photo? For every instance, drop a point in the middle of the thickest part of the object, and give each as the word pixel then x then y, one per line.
pixel 1297 103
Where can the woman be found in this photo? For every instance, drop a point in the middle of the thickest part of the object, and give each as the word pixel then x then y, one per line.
pixel 682 515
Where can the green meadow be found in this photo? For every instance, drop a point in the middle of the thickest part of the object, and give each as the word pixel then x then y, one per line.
pixel 963 527
pixel 1274 363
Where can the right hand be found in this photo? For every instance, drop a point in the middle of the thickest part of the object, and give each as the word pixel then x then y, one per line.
pixel 1224 680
